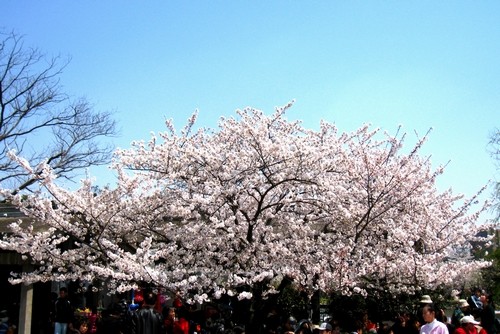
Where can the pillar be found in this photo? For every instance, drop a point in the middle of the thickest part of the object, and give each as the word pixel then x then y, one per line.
pixel 25 309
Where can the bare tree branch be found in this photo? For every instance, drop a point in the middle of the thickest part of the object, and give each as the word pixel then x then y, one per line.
pixel 40 122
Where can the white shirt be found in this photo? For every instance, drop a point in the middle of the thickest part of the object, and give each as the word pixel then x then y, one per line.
pixel 434 327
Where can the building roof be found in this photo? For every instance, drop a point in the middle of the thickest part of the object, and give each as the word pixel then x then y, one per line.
pixel 9 214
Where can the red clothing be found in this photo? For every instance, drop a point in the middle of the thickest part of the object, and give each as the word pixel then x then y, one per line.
pixel 481 331
pixel 460 330
pixel 370 325
pixel 181 326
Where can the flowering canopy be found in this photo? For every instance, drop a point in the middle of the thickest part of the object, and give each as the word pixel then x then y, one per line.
pixel 260 198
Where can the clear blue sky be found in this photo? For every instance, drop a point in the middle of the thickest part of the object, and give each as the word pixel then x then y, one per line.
pixel 418 64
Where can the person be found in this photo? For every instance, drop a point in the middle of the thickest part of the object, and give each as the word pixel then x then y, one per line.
pixel 488 314
pixel 325 328
pixel 208 317
pixel 441 316
pixel 413 325
pixel 112 320
pixel 475 300
pixel 62 312
pixel 181 323
pixel 355 327
pixel 432 325
pixel 169 319
pixel 81 328
pixel 384 328
pixel 4 322
pixel 467 325
pixel 369 326
pixel 335 326
pixel 288 325
pixel 461 310
pixel 401 324
pixel 304 327
pixel 147 320
pixel 425 300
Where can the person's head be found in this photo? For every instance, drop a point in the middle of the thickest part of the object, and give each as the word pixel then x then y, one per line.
pixel 441 316
pixel 429 313
pixel 84 327
pixel 170 314
pixel 303 327
pixel 403 317
pixel 150 298
pixel 413 323
pixel 325 328
pixel 290 324
pixel 485 299
pixel 462 303
pixel 139 299
pixel 63 292
pixel 356 326
pixel 468 322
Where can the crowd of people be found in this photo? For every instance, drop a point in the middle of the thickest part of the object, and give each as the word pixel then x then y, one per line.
pixel 475 315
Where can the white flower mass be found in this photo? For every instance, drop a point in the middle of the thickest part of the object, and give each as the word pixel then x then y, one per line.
pixel 212 212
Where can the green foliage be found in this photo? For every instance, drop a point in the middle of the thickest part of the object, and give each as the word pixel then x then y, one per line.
pixel 491 275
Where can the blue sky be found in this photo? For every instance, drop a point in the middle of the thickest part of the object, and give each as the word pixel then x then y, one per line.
pixel 418 64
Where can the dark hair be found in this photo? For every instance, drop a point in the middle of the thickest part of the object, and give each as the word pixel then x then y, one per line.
pixel 489 299
pixel 63 289
pixel 441 316
pixel 150 298
pixel 431 307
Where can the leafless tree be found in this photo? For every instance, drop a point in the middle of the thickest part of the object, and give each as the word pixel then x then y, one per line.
pixel 40 122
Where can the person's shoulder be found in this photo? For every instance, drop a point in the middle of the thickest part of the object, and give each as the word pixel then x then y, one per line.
pixel 443 328
pixel 459 330
pixel 442 325
pixel 142 311
pixel 147 310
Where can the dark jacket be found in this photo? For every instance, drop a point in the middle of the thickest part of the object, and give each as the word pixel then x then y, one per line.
pixel 63 312
pixel 147 321
pixel 488 319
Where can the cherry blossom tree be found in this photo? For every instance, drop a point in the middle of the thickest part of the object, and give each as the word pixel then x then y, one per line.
pixel 205 212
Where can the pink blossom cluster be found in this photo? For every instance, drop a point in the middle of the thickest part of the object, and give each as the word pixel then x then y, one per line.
pixel 258 199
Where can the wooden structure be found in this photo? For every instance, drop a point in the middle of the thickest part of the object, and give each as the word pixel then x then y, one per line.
pixel 19 300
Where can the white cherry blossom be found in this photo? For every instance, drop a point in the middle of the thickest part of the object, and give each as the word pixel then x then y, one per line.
pixel 212 212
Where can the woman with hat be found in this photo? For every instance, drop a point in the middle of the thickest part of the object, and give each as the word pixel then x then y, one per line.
pixel 461 310
pixel 432 325
pixel 425 300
